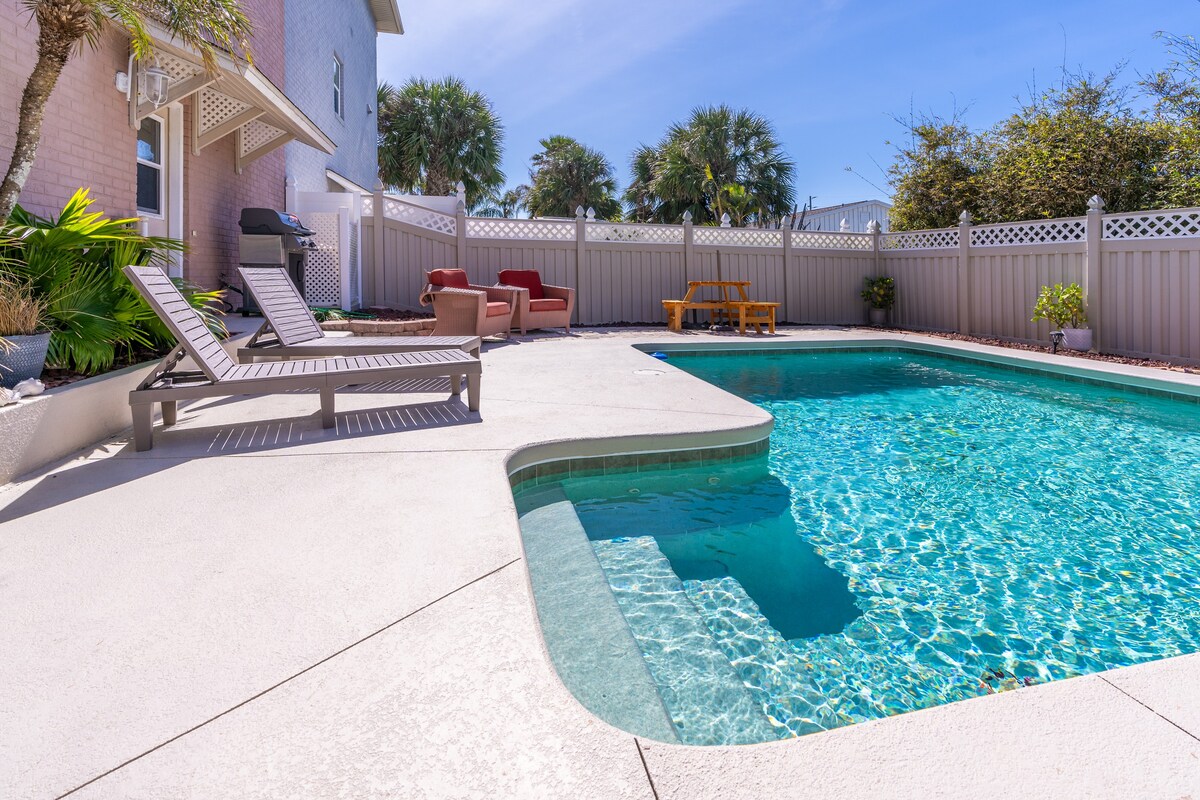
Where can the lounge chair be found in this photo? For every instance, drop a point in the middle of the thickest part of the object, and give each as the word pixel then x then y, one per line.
pixel 291 331
pixel 466 309
pixel 539 305
pixel 220 377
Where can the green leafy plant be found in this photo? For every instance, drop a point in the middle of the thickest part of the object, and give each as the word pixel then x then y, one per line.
pixel 1061 305
pixel 73 265
pixel 879 292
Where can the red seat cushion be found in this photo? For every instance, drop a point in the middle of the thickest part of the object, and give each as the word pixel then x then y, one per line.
pixel 526 279
pixel 549 304
pixel 497 309
pixel 453 278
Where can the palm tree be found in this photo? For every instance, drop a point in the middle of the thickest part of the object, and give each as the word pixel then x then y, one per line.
pixel 506 204
pixel 719 161
pixel 208 26
pixel 567 175
pixel 435 133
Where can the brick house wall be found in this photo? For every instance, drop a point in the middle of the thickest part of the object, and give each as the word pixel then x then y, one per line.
pixel 313 38
pixel 87 140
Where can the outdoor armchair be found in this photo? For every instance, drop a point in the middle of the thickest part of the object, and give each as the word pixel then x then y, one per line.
pixel 538 305
pixel 466 309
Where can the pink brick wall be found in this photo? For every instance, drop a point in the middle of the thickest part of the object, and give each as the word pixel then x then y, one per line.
pixel 87 141
pixel 86 138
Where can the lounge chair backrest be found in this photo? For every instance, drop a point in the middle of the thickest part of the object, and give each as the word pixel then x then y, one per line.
pixel 182 320
pixel 282 305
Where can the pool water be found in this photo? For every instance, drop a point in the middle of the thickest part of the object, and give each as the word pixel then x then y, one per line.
pixel 923 530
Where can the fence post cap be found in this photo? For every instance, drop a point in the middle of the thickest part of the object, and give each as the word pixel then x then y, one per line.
pixel 1096 203
pixel 965 218
pixel 379 187
pixel 725 220
pixel 687 216
pixel 461 206
pixel 591 214
pixel 844 225
pixel 578 211
pixel 873 226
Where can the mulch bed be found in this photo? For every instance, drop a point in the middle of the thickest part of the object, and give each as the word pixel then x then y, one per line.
pixel 392 315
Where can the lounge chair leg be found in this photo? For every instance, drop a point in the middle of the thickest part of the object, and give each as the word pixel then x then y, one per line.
pixel 455 385
pixel 327 407
pixel 473 392
pixel 170 412
pixel 143 426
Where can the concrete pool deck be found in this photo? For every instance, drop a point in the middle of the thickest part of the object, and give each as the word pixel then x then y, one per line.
pixel 259 608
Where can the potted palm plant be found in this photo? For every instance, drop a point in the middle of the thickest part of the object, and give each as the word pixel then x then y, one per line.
pixel 1062 306
pixel 24 338
pixel 880 296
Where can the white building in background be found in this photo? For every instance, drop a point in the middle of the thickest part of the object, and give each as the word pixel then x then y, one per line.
pixel 857 215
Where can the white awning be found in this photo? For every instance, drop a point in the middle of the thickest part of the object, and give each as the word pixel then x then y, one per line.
pixel 240 100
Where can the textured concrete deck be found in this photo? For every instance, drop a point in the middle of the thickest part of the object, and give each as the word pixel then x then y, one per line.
pixel 259 608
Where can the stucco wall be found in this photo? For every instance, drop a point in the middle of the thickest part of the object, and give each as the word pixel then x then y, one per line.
pixel 313 37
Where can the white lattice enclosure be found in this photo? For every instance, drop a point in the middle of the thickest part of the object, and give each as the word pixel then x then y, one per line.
pixel 815 240
pixel 1034 232
pixel 533 229
pixel 355 268
pixel 643 234
pixel 217 108
pixel 1153 225
pixel 737 237
pixel 942 239
pixel 416 215
pixel 322 268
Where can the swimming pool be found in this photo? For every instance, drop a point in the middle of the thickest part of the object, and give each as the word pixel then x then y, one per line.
pixel 922 530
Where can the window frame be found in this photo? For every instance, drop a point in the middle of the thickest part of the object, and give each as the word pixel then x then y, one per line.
pixel 339 87
pixel 159 167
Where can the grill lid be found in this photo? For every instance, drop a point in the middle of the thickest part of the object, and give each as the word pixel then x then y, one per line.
pixel 268 221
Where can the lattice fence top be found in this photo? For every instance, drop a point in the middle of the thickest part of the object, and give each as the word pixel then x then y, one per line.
pixel 1153 224
pixel 1037 232
pixel 418 216
pixel 533 229
pixel 257 133
pixel 942 239
pixel 817 240
pixel 738 237
pixel 368 206
pixel 642 234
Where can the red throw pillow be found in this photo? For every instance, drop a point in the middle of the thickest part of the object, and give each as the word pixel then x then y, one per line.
pixel 453 278
pixel 526 279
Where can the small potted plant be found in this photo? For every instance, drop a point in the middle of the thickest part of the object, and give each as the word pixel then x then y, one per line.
pixel 23 337
pixel 1062 307
pixel 880 296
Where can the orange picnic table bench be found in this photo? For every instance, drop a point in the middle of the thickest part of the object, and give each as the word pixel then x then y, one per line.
pixel 755 313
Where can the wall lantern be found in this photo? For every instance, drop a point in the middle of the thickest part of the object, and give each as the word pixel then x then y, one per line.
pixel 155 83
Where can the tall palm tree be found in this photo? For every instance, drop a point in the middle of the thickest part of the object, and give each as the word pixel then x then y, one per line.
pixel 435 133
pixel 719 160
pixel 506 204
pixel 567 175
pixel 208 26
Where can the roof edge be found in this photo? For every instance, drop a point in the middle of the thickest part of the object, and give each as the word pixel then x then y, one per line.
pixel 387 16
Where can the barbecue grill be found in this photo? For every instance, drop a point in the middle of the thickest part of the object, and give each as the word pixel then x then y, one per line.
pixel 274 239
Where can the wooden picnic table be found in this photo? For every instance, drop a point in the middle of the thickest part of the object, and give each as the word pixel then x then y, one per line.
pixel 749 312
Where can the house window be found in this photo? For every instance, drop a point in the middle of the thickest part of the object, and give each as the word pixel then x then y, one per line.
pixel 150 167
pixel 338 102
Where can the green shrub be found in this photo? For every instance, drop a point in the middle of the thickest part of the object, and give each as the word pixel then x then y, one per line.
pixel 1061 305
pixel 879 292
pixel 73 265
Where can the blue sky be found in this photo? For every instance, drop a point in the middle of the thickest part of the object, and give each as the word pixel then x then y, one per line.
pixel 830 74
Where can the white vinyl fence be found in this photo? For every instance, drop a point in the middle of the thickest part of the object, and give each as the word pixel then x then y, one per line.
pixel 1140 271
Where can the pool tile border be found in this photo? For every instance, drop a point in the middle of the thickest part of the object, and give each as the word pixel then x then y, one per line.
pixel 559 469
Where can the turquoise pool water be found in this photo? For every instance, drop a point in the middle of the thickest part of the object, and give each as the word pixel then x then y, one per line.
pixel 922 530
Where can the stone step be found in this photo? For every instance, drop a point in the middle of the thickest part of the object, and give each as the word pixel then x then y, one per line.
pixel 707 700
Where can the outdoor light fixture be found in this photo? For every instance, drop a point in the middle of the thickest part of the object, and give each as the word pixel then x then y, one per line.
pixel 154 85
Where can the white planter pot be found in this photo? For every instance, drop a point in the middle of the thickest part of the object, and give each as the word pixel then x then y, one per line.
pixel 878 316
pixel 1077 338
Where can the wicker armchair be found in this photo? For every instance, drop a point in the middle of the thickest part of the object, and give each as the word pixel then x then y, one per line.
pixel 538 305
pixel 465 309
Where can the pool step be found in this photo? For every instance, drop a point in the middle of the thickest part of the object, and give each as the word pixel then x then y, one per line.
pixel 766 662
pixel 706 697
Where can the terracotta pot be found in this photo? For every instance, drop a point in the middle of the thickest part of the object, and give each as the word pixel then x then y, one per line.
pixel 24 362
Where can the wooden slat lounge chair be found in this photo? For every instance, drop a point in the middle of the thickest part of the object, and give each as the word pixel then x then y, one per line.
pixel 220 377
pixel 291 331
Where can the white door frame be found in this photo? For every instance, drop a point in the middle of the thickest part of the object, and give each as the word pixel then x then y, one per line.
pixel 174 148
